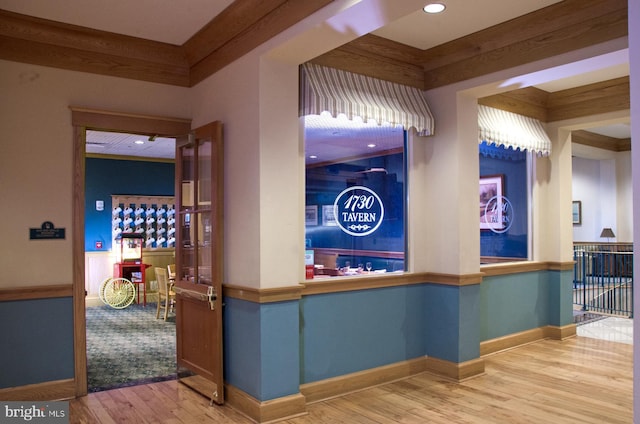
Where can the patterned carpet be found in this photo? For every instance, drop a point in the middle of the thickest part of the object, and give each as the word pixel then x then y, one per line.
pixel 127 347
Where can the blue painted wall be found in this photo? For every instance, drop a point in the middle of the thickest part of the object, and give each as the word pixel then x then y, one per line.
pixel 353 331
pixel 261 347
pixel 452 327
pixel 107 177
pixel 37 341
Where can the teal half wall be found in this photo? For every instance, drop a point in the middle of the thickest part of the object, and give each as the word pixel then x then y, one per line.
pixel 518 302
pixel 352 331
pixel 261 347
pixel 37 341
pixel 452 325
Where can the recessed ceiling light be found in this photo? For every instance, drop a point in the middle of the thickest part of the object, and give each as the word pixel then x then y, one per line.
pixel 434 8
pixel 371 146
pixel 313 157
pixel 139 142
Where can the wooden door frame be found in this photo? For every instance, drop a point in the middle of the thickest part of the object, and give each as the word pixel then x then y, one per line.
pixel 83 119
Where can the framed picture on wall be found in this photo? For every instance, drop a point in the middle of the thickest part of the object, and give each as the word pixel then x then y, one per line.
pixel 491 195
pixel 311 215
pixel 577 212
pixel 328 216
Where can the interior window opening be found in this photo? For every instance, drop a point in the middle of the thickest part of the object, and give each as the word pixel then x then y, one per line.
pixel 505 199
pixel 355 197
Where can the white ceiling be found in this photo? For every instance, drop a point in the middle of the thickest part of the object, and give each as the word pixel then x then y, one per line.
pixel 175 21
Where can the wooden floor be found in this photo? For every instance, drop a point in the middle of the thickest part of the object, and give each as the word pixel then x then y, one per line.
pixel 580 380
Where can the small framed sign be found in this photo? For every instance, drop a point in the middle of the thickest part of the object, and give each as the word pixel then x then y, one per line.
pixel 47 231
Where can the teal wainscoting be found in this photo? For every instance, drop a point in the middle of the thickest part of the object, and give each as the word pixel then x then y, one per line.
pixel 346 332
pixel 560 297
pixel 518 302
pixel 37 341
pixel 261 348
pixel 451 314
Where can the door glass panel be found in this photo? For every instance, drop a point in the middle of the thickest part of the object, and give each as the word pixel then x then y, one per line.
pixel 188 176
pixel 204 174
pixel 204 249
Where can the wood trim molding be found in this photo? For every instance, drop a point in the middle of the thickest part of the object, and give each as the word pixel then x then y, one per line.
pixel 251 294
pixel 561 266
pixel 344 384
pixel 48 43
pixel 244 25
pixel 140 124
pixel 513 267
pixel 283 408
pixel 511 341
pixel 455 371
pixel 559 28
pixel 601 141
pixel 343 284
pixel 36 292
pixel 50 390
pixel 110 121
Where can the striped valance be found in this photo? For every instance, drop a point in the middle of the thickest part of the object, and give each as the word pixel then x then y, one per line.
pixel 508 129
pixel 324 89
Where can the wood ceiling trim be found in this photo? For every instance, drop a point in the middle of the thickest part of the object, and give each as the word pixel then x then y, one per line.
pixel 521 29
pixel 240 28
pixel 528 101
pixel 237 44
pixel 42 42
pixel 237 18
pixel 485 52
pixel 601 141
pixel 377 57
pixel 590 99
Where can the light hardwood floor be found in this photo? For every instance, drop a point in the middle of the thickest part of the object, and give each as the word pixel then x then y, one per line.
pixel 580 380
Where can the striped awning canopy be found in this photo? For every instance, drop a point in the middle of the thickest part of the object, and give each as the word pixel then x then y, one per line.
pixel 508 129
pixel 324 89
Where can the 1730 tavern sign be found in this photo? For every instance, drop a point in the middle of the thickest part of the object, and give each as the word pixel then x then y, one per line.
pixel 358 211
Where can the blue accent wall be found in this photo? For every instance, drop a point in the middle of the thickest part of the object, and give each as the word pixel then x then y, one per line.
pixel 37 341
pixel 353 331
pixel 107 177
pixel 518 302
pixel 452 327
pixel 261 347
pixel 273 348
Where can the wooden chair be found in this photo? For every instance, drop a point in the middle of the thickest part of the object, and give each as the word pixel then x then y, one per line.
pixel 171 268
pixel 166 296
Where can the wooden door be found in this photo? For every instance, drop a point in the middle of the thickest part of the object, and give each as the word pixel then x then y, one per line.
pixel 199 259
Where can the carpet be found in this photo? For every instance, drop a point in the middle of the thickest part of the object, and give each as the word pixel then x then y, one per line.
pixel 127 347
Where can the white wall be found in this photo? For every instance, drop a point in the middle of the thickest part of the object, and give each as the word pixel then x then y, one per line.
pixel 604 188
pixel 36 171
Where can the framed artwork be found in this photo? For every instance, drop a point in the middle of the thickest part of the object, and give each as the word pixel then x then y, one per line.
pixel 491 195
pixel 328 216
pixel 577 212
pixel 311 215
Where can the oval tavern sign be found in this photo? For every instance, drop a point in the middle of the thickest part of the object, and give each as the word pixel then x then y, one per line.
pixel 358 211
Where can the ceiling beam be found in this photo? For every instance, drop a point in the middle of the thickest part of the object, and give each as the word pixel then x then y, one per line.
pixel 244 25
pixel 560 28
pixel 240 28
pixel 42 42
pixel 601 141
